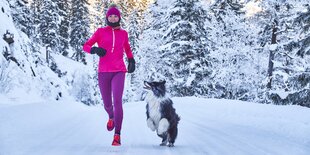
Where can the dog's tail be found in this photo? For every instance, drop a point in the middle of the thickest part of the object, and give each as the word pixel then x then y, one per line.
pixel 178 118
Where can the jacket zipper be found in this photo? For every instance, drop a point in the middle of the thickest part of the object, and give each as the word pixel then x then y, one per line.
pixel 113 40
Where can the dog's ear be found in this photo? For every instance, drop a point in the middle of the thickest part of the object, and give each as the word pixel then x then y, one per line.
pixel 163 82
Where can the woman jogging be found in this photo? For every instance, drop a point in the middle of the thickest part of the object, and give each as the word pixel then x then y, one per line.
pixel 112 43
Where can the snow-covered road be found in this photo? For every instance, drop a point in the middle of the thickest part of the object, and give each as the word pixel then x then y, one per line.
pixel 207 126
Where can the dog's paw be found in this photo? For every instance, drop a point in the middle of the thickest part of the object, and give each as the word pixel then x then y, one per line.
pixel 163 126
pixel 170 145
pixel 163 144
pixel 150 124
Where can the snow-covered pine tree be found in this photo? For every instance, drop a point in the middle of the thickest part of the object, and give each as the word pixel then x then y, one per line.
pixel 184 58
pixel 303 22
pixel 149 41
pixel 135 20
pixel 141 8
pixel 97 12
pixel 63 31
pixel 35 8
pixel 300 46
pixel 122 6
pixel 131 5
pixel 98 15
pixel 264 24
pixel 21 15
pixel 272 24
pixel 133 30
pixel 236 66
pixel 292 70
pixel 79 28
pixel 164 28
pixel 49 25
pixel 143 4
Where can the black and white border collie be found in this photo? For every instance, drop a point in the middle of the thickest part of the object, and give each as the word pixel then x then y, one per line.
pixel 161 115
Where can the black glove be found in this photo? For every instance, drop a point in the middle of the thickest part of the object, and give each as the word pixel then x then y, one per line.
pixel 131 65
pixel 98 50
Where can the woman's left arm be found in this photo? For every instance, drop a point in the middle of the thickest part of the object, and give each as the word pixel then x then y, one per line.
pixel 131 61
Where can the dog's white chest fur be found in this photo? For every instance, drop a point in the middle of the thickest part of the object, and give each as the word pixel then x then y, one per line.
pixel 154 108
pixel 155 121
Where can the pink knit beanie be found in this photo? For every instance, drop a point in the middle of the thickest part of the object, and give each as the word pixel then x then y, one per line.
pixel 113 11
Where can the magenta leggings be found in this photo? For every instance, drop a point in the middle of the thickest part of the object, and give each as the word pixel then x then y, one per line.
pixel 111 85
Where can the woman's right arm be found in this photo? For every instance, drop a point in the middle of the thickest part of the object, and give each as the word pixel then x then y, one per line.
pixel 90 42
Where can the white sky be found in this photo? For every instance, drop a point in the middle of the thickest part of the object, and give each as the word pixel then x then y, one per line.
pixel 252 8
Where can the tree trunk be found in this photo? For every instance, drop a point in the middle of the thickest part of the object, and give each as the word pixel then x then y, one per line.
pixel 271 54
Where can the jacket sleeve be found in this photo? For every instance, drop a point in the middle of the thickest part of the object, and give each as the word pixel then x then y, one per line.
pixel 90 42
pixel 127 47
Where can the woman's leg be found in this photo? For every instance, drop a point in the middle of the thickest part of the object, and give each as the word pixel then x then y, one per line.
pixel 104 80
pixel 118 82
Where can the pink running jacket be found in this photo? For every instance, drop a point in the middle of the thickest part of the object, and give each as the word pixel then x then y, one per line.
pixel 115 42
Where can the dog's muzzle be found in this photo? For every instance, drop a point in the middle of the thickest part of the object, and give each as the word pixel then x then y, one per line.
pixel 146 85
